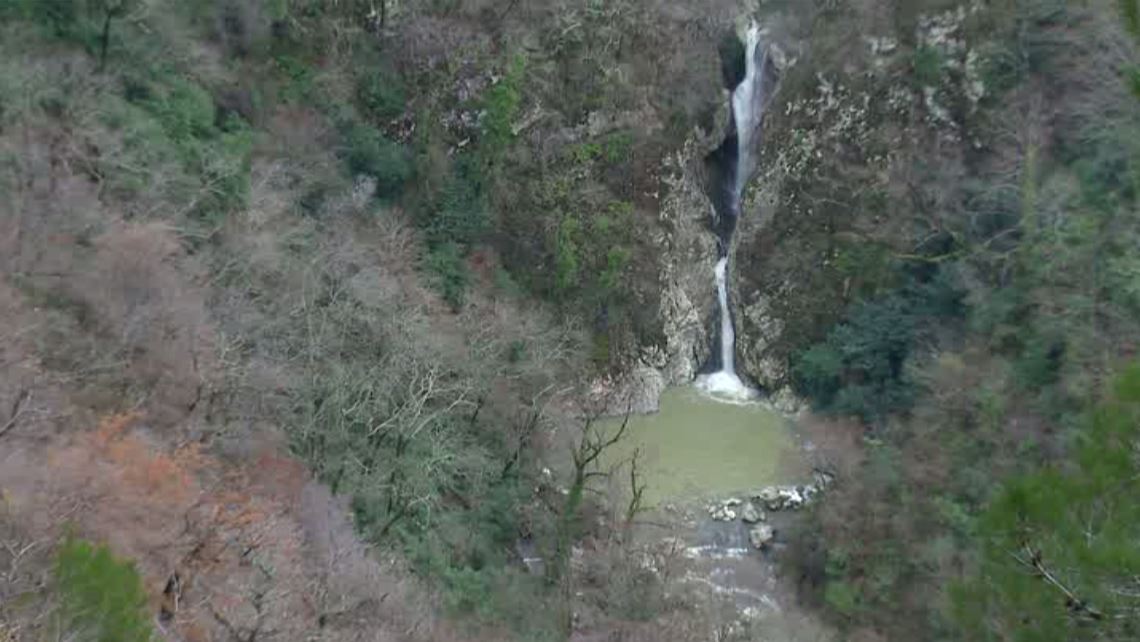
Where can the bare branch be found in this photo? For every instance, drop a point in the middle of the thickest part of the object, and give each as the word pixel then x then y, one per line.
pixel 18 407
pixel 1075 604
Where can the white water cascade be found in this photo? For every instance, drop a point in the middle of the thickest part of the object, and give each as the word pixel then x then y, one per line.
pixel 747 110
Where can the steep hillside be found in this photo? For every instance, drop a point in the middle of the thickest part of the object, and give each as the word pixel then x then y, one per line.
pixel 301 301
pixel 940 257
pixel 310 311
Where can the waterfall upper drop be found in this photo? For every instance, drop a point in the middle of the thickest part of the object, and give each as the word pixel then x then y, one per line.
pixel 748 99
pixel 747 110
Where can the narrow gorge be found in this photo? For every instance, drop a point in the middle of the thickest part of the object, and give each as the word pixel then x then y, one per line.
pixel 732 165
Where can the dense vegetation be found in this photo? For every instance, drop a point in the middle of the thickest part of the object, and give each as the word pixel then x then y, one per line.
pixel 983 300
pixel 219 214
pixel 101 598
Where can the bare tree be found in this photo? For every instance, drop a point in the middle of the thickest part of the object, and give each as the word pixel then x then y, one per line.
pixel 636 491
pixel 592 442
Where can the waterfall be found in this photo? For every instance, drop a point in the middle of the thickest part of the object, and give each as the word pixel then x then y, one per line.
pixel 727 333
pixel 747 111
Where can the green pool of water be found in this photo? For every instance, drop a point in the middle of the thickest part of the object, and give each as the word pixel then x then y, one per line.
pixel 695 447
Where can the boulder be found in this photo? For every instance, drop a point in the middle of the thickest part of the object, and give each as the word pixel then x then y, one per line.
pixel 761 536
pixel 765 495
pixel 750 514
pixel 782 497
pixel 721 513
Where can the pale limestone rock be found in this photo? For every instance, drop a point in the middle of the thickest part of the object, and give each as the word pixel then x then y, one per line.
pixel 749 514
pixel 761 536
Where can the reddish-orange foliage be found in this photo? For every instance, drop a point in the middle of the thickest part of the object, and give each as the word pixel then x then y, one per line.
pixel 141 469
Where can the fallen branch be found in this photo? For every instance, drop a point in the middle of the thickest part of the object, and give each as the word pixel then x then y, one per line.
pixel 17 411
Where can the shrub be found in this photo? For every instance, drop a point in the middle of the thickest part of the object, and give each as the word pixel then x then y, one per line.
pixel 927 66
pixel 461 217
pixel 102 597
pixel 501 106
pixel 1060 555
pixel 841 597
pixel 61 17
pixel 381 94
pixel 566 262
pixel 369 152
pixel 448 267
pixel 858 369
pixel 186 111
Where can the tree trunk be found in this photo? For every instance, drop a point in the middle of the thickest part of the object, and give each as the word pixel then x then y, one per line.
pixel 105 40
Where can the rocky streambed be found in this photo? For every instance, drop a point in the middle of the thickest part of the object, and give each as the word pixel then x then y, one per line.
pixel 724 483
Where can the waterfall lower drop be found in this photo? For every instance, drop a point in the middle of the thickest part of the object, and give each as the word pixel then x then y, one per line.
pixel 724 383
pixel 747 110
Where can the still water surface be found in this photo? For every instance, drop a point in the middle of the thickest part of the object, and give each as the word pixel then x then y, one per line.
pixel 696 447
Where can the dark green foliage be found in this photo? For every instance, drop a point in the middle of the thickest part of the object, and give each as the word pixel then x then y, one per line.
pixel 1130 17
pixel 1038 364
pixel 859 368
pixel 298 79
pixel 62 18
pixel 566 263
pixel 501 105
pixel 461 217
pixel 381 94
pixel 368 151
pixel 102 598
pixel 85 22
pixel 453 225
pixel 1059 551
pixel 449 273
pixel 927 66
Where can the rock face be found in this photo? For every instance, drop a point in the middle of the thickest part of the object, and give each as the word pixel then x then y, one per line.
pixel 688 253
pixel 688 257
pixel 637 391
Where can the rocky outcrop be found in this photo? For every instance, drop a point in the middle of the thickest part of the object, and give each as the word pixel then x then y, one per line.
pixel 688 256
pixel 773 498
pixel 835 178
pixel 777 498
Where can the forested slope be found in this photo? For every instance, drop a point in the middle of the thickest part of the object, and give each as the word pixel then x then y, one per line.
pixel 945 265
pixel 298 299
pixel 302 303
